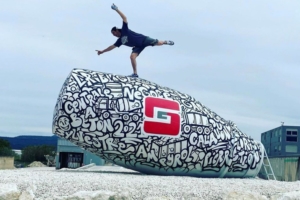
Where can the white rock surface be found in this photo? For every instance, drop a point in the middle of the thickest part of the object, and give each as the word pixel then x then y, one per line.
pixel 113 182
pixel 28 194
pixel 295 195
pixel 244 195
pixel 95 195
pixel 8 190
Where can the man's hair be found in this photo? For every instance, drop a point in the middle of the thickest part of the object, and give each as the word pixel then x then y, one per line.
pixel 115 29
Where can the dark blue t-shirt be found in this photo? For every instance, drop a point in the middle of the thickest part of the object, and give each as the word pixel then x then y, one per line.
pixel 129 38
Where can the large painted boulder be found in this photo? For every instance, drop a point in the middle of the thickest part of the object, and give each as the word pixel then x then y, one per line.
pixel 142 126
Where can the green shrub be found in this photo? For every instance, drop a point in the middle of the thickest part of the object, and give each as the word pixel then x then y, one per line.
pixel 36 153
pixel 4 143
pixel 5 151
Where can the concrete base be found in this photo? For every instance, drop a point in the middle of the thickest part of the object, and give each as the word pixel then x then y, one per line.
pixel 7 162
pixel 285 168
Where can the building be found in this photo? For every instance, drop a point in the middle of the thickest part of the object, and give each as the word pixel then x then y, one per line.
pixel 282 145
pixel 20 142
pixel 282 141
pixel 68 155
pixel 71 156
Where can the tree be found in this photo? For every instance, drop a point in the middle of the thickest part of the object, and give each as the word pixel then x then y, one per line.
pixel 4 143
pixel 36 153
pixel 5 149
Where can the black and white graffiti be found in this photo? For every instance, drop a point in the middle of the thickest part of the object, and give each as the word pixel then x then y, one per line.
pixel 142 126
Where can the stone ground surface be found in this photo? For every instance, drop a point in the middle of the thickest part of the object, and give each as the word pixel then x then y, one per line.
pixel 113 182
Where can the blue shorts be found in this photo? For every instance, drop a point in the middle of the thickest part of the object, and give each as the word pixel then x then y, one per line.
pixel 147 42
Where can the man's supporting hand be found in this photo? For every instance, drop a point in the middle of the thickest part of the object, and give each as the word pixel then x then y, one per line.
pixel 99 52
pixel 111 47
pixel 114 7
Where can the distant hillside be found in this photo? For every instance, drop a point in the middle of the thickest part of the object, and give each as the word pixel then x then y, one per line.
pixel 23 141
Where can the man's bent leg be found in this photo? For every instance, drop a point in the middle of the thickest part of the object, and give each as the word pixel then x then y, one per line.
pixel 155 42
pixel 168 42
pixel 159 43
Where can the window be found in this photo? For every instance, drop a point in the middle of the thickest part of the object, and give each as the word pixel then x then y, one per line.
pixel 279 148
pixel 294 133
pixel 291 148
pixel 291 139
pixel 265 136
pixel 291 135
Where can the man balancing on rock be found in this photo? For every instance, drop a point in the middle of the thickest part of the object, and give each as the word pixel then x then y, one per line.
pixel 131 39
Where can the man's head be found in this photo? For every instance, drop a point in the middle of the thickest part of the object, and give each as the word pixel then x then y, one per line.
pixel 116 32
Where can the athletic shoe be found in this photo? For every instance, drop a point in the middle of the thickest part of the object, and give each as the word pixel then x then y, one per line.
pixel 134 75
pixel 169 42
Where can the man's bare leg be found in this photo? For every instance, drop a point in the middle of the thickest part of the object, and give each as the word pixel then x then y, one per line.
pixel 160 42
pixel 133 62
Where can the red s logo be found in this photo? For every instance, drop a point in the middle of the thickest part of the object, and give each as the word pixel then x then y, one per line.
pixel 162 117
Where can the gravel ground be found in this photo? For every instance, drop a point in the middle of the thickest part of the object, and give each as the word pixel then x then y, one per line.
pixel 113 182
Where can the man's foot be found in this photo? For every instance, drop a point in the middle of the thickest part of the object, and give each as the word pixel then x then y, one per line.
pixel 134 75
pixel 169 42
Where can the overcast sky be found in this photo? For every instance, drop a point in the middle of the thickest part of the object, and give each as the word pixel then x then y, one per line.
pixel 238 58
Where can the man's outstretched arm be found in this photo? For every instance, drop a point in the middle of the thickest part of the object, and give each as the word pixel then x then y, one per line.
pixel 111 47
pixel 114 7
